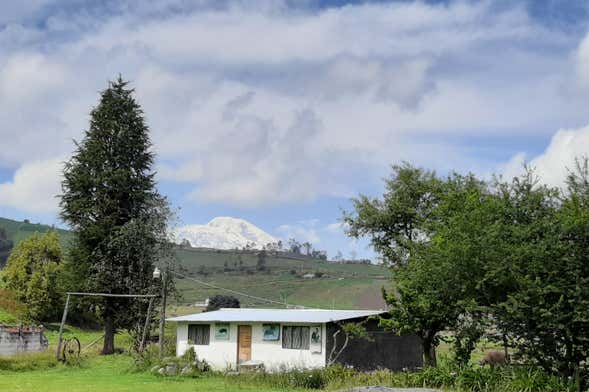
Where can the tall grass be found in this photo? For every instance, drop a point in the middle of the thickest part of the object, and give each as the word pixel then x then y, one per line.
pixel 449 376
pixel 446 376
pixel 28 361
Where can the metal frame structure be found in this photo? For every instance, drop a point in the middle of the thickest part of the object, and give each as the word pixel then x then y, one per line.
pixel 67 303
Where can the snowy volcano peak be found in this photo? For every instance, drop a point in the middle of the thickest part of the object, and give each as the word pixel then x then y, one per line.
pixel 224 233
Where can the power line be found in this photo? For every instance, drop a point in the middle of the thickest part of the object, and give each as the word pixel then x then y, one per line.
pixel 267 300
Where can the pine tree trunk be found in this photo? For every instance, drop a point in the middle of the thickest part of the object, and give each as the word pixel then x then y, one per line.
pixel 109 332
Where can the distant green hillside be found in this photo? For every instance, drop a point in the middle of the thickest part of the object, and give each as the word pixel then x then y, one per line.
pixel 337 285
pixel 18 231
pixel 286 278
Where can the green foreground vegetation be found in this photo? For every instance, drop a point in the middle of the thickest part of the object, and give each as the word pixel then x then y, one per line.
pixel 119 373
pixel 125 372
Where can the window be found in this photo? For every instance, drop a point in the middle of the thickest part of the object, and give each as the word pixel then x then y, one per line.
pixel 295 337
pixel 199 334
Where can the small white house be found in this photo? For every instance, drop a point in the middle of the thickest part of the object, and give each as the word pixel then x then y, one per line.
pixel 275 337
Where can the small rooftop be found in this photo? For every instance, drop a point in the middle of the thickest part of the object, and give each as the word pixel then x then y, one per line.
pixel 276 315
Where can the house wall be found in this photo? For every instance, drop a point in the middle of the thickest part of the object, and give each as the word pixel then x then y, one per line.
pixel 222 354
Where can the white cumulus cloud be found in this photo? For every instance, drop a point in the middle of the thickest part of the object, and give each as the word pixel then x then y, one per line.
pixel 553 164
pixel 253 103
pixel 34 187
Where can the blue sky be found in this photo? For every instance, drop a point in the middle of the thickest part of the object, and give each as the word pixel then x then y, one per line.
pixel 280 111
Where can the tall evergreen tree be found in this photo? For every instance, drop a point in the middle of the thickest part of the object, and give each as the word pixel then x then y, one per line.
pixel 110 200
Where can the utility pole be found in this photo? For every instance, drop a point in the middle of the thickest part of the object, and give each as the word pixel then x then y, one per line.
pixel 163 311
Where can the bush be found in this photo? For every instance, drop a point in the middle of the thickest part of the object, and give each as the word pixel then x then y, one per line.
pixel 446 376
pixel 33 273
pixel 11 310
pixel 188 365
pixel 285 379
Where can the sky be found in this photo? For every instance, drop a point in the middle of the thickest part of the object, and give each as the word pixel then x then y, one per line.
pixel 279 112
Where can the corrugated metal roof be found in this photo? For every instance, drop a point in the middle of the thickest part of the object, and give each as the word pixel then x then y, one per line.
pixel 276 315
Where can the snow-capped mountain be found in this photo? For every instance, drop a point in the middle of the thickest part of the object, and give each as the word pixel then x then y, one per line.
pixel 224 233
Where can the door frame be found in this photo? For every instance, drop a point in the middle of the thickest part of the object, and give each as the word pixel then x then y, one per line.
pixel 251 339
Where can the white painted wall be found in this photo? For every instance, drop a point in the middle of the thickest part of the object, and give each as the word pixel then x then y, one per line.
pixel 222 354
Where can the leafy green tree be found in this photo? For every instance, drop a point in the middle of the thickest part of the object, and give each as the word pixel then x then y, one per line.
pixel 261 261
pixel 399 226
pixel 546 260
pixel 434 280
pixel 111 202
pixel 32 274
pixel 222 301
pixel 399 222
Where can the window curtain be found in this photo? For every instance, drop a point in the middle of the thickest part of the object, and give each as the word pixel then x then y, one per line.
pixel 199 334
pixel 295 337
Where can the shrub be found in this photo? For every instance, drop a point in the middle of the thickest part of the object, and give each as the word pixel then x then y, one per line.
pixel 285 379
pixel 32 273
pixel 11 310
pixel 446 376
pixel 188 365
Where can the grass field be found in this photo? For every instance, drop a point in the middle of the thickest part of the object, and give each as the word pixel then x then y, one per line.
pixel 344 286
pixel 112 374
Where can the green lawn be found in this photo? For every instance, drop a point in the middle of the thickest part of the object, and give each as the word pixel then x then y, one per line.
pixel 111 374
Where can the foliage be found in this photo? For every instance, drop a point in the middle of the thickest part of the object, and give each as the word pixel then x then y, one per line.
pixel 11 310
pixel 467 255
pixel 32 274
pixel 110 200
pixel 447 375
pixel 430 289
pixel 285 379
pixel 7 318
pixel 222 301
pixel 546 311
pixel 400 221
pixel 5 247
pixel 261 264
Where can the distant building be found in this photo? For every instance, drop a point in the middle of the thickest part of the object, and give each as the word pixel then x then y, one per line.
pixel 292 338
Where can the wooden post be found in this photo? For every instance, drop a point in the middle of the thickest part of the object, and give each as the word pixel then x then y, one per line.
pixel 163 311
pixel 63 318
pixel 146 326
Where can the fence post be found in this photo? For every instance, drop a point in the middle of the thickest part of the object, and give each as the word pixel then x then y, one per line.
pixel 59 341
pixel 146 326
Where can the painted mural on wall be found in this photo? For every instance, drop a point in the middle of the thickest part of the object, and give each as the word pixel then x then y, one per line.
pixel 271 332
pixel 316 339
pixel 222 331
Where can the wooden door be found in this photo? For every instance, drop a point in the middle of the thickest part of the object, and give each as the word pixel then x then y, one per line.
pixel 244 343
